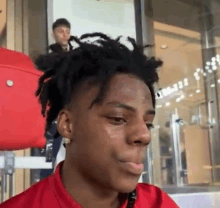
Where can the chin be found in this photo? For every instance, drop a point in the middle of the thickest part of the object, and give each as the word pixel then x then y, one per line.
pixel 127 185
pixel 64 44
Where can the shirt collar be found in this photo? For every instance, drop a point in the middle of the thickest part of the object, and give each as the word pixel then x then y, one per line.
pixel 66 48
pixel 60 192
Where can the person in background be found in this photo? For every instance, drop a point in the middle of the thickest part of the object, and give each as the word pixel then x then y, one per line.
pixel 101 94
pixel 61 34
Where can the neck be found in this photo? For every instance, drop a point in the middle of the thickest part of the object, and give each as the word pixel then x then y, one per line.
pixel 87 193
pixel 65 47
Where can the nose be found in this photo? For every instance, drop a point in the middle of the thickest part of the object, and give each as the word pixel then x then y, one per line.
pixel 139 134
pixel 65 34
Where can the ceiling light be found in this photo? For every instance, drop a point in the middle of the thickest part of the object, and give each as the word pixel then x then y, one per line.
pixel 204 74
pixel 210 71
pixel 207 67
pixel 219 81
pixel 213 63
pixel 208 63
pixel 186 82
pixel 213 59
pixel 175 87
pixel 168 104
pixel 198 70
pixel 164 46
pixel 182 96
pixel 159 106
pixel 212 85
pixel 178 100
pixel 169 90
pixel 164 92
pixel 198 91
pixel 190 95
pixel 214 67
pixel 180 84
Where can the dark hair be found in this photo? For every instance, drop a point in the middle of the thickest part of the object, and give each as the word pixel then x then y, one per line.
pixel 61 22
pixel 96 61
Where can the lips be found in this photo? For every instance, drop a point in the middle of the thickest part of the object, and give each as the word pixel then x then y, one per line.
pixel 132 167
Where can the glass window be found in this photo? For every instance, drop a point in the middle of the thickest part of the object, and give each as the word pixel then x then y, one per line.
pixel 187 39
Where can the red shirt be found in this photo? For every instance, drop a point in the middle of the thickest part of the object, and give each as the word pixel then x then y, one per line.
pixel 51 192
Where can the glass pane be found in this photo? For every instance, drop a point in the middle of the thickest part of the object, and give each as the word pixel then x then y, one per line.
pixel 188 126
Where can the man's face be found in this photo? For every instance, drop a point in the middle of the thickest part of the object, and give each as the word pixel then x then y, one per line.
pixel 109 140
pixel 62 35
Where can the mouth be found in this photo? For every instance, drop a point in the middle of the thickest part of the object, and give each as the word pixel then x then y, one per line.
pixel 132 167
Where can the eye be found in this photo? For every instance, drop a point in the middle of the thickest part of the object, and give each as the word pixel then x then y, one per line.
pixel 150 126
pixel 117 120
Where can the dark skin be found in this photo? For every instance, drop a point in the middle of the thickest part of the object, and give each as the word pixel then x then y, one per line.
pixel 102 138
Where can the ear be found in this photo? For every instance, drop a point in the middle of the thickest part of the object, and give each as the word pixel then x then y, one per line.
pixel 65 124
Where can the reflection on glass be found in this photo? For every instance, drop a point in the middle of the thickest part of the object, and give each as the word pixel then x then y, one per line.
pixel 166 156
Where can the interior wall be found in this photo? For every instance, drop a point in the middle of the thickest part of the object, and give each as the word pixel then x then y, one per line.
pixel 3 23
pixel 86 16
pixel 182 55
pixel 37 27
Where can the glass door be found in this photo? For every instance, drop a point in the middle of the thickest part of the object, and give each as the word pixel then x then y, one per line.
pixel 186 134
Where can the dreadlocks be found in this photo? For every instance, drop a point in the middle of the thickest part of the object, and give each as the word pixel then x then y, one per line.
pixel 96 62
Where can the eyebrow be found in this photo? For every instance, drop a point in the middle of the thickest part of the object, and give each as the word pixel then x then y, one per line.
pixel 130 108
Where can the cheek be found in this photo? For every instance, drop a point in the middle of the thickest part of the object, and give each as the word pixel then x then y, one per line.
pixel 60 35
pixel 98 139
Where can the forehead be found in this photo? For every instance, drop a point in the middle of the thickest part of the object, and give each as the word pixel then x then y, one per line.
pixel 122 88
pixel 128 88
pixel 61 27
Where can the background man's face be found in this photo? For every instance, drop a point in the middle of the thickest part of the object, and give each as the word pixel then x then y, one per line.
pixel 62 35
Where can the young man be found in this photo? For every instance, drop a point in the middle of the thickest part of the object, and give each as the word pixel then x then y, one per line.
pixel 61 34
pixel 102 96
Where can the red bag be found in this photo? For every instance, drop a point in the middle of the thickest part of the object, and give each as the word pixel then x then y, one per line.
pixel 21 122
